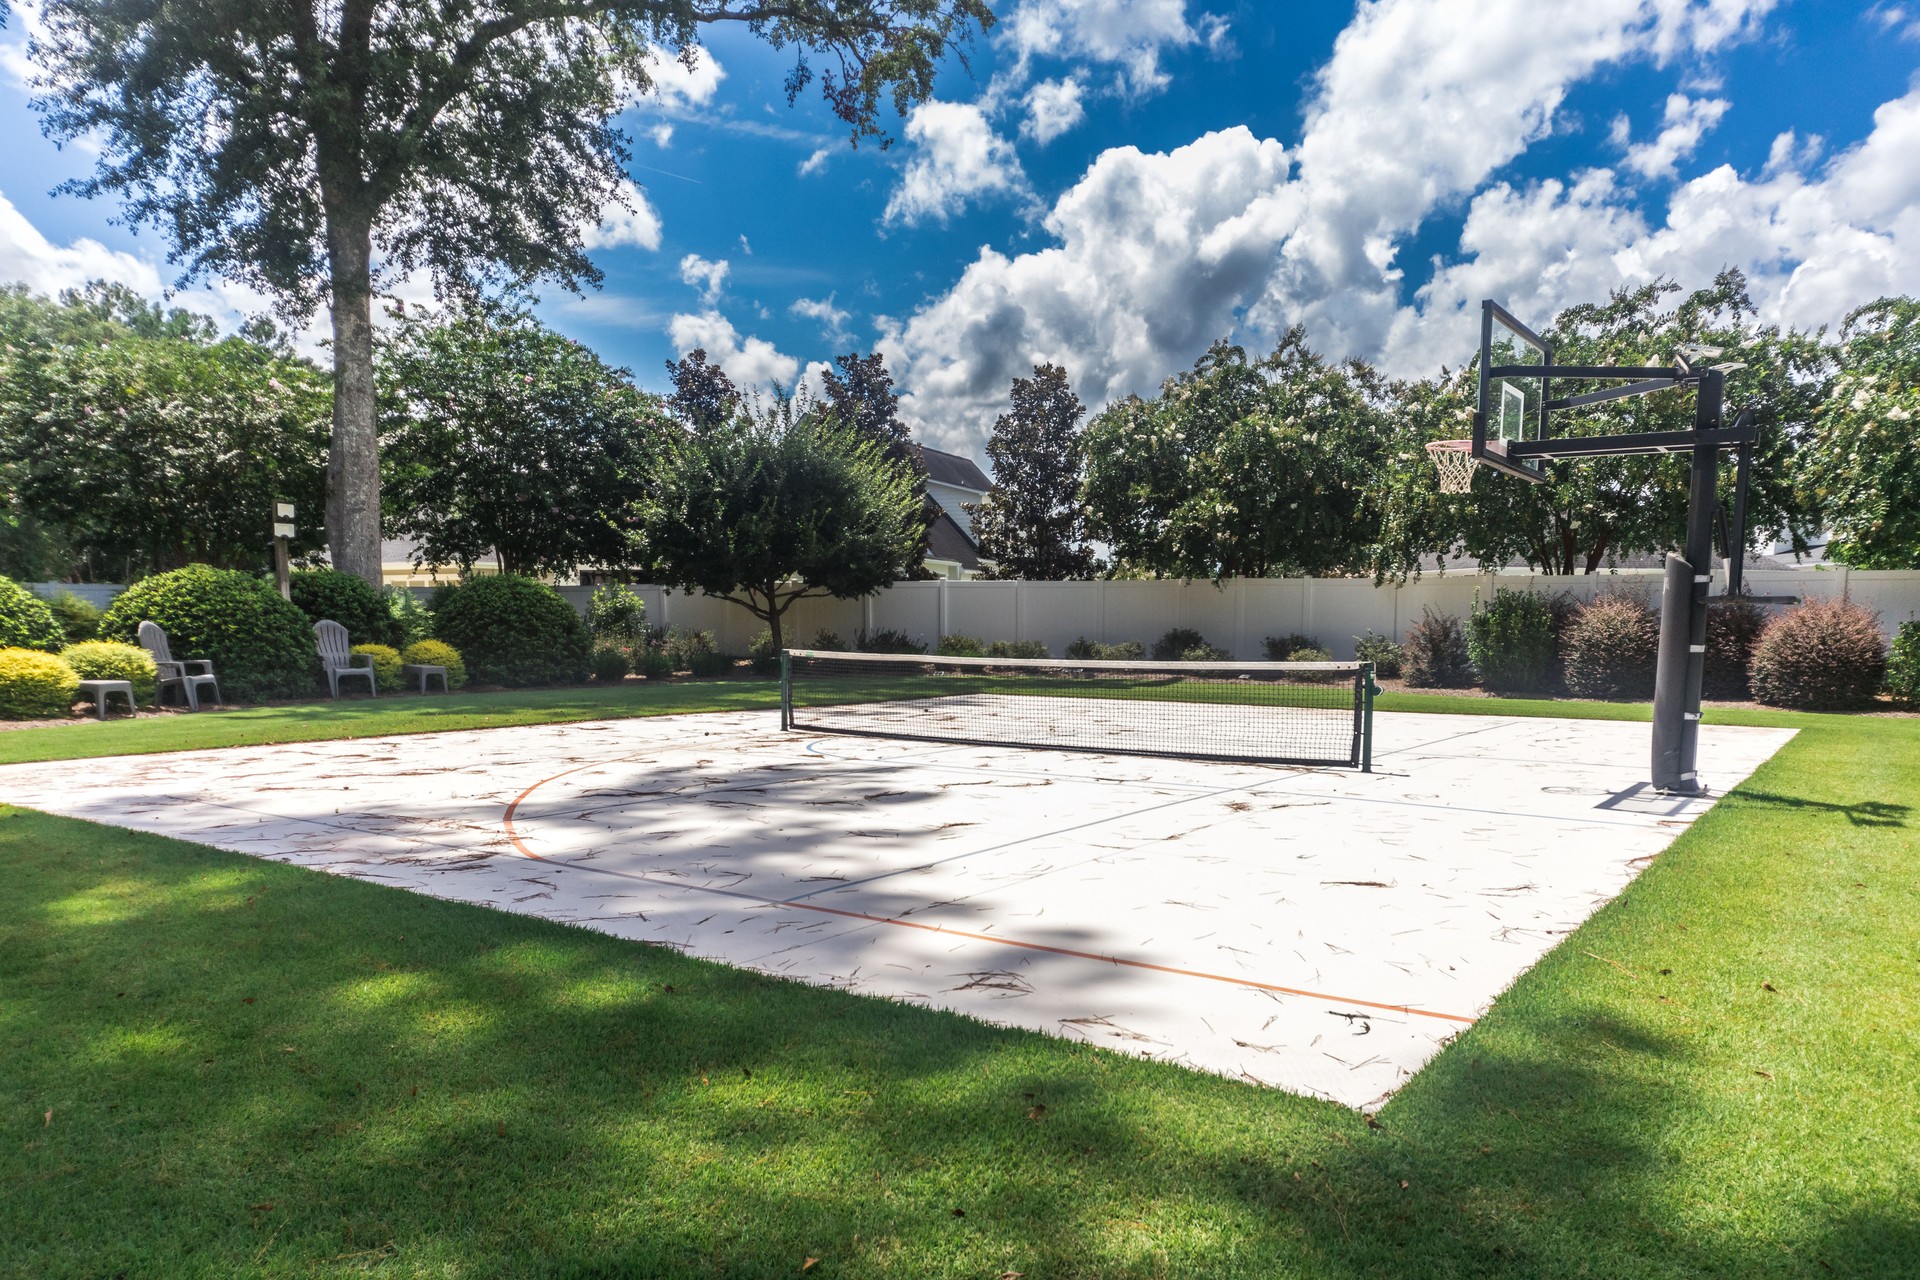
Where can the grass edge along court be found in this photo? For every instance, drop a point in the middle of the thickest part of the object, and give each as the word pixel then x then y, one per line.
pixel 216 1065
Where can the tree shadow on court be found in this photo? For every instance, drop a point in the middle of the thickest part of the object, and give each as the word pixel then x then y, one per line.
pixel 1861 813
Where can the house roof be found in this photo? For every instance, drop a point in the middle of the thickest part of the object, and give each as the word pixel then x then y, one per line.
pixel 951 468
pixel 946 540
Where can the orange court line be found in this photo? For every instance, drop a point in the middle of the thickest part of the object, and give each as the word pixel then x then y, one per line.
pixel 513 837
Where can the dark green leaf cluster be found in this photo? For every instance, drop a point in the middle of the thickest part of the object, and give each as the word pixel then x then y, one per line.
pixel 1241 468
pixel 347 600
pixel 1903 665
pixel 26 621
pixel 1510 641
pixel 1826 655
pixel 261 646
pixel 513 631
pixel 777 505
pixel 147 443
pixel 1864 467
pixel 79 619
pixel 1032 524
pixel 503 438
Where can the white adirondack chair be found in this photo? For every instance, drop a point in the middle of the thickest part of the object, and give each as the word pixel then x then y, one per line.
pixel 332 640
pixel 187 677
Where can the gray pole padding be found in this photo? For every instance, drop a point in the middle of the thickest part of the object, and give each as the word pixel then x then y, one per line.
pixel 1671 771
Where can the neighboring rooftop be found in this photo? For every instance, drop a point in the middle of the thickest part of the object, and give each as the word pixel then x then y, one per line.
pixel 951 468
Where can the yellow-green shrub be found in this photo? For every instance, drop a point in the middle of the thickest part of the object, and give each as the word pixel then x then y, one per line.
pixel 386 665
pixel 111 660
pixel 35 685
pixel 437 653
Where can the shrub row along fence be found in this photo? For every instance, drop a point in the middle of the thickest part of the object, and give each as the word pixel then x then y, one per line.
pixel 1235 616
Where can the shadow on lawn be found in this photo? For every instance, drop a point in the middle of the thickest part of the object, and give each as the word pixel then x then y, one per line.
pixel 1861 813
pixel 266 1069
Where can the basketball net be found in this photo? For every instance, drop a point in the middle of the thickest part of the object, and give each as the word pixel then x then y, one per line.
pixel 1455 461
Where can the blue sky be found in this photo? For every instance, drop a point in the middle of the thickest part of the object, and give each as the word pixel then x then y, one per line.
pixel 1117 182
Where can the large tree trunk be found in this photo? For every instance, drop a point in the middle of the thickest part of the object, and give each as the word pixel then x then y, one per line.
pixel 353 461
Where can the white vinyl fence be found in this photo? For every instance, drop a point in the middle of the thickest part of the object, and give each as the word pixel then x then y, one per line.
pixel 1235 615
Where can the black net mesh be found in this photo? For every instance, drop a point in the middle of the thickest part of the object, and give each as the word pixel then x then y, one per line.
pixel 1267 712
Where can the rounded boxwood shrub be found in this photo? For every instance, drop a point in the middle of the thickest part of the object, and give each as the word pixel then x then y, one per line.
pixel 111 660
pixel 1611 648
pixel 26 622
pixel 349 601
pixel 261 646
pixel 1733 628
pixel 608 664
pixel 1282 648
pixel 959 646
pixel 35 685
pixel 437 653
pixel 1383 653
pixel 1510 642
pixel 1435 653
pixel 513 631
pixel 1903 665
pixel 1017 649
pixel 1826 655
pixel 78 619
pixel 1176 642
pixel 386 665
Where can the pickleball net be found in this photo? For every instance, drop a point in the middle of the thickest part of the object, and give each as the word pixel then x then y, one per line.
pixel 1303 713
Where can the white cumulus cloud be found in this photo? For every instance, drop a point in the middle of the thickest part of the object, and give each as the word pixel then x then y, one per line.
pixel 750 362
pixel 709 277
pixel 832 319
pixel 1127 34
pixel 1053 107
pixel 1155 255
pixel 677 87
pixel 957 159
pixel 1684 122
pixel 638 224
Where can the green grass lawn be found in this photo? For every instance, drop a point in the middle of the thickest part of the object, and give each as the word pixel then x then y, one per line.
pixel 212 1065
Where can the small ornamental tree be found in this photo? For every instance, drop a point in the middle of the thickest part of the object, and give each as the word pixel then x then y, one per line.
pixel 1032 525
pixel 780 505
pixel 504 438
pixel 1864 464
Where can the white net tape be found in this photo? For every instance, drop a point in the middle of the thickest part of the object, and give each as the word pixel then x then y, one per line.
pixel 1455 461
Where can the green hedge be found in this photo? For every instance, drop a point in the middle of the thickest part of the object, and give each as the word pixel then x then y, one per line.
pixel 1903 665
pixel 35 685
pixel 349 601
pixel 261 646
pixel 1510 642
pixel 25 620
pixel 437 653
pixel 513 631
pixel 111 660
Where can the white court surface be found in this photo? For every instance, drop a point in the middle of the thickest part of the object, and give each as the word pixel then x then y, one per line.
pixel 1322 931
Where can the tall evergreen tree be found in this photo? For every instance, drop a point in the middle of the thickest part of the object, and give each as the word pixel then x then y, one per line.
pixel 311 149
pixel 862 397
pixel 1032 524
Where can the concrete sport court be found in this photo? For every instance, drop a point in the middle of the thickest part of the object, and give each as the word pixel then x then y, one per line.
pixel 1323 931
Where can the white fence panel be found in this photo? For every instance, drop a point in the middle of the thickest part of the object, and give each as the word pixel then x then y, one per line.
pixel 912 607
pixel 1058 613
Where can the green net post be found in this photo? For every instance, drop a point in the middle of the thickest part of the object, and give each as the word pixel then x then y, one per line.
pixel 1368 689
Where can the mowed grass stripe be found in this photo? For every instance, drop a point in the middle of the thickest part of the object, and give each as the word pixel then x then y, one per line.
pixel 211 1065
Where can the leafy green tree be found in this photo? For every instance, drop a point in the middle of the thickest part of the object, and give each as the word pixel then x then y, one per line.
pixel 777 505
pixel 1239 468
pixel 502 437
pixel 1031 524
pixel 1863 466
pixel 860 394
pixel 1591 512
pixel 147 443
pixel 309 150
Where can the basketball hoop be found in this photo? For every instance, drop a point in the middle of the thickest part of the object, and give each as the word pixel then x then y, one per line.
pixel 1455 461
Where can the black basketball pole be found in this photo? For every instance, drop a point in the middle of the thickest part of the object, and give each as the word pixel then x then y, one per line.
pixel 1681 673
